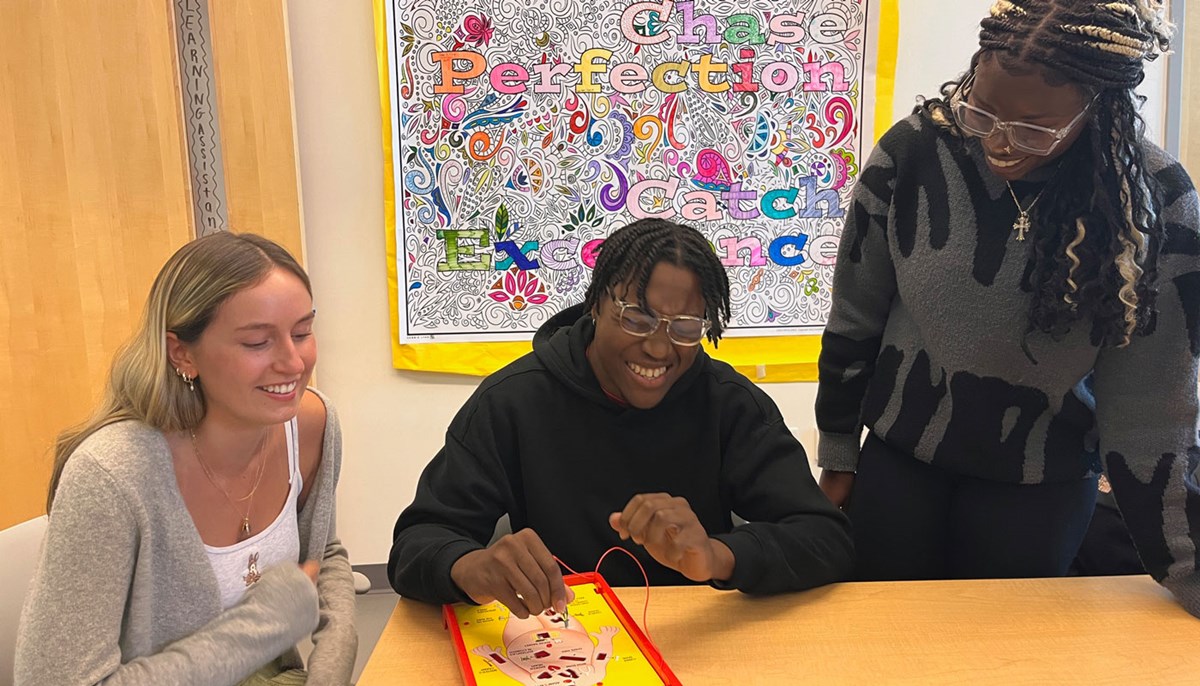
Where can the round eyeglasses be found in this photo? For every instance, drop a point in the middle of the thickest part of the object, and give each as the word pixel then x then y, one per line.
pixel 682 329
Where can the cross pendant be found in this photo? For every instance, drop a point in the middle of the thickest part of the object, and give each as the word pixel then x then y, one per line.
pixel 1021 225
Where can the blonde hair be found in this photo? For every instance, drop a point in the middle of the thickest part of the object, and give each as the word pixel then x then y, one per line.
pixel 186 294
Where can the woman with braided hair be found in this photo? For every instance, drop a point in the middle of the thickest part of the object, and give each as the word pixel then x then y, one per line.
pixel 1017 304
pixel 619 427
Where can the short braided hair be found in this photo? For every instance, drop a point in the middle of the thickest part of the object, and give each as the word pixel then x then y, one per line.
pixel 630 254
pixel 1097 254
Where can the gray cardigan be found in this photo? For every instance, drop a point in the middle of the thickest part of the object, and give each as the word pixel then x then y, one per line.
pixel 125 595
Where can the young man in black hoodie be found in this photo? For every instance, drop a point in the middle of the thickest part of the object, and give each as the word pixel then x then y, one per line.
pixel 619 427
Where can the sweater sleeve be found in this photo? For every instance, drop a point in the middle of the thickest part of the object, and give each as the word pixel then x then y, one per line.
pixel 335 641
pixel 1146 412
pixel 460 496
pixel 864 285
pixel 795 538
pixel 71 623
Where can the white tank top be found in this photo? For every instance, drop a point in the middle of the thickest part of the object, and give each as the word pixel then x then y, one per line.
pixel 240 565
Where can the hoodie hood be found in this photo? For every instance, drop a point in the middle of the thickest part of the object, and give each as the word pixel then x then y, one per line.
pixel 561 346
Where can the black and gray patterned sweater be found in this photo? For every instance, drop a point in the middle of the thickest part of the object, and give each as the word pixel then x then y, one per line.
pixel 924 347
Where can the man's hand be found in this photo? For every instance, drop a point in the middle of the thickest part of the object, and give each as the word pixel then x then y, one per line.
pixel 518 571
pixel 669 530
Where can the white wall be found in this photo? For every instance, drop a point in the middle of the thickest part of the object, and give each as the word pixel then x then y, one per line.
pixel 393 421
pixel 938 37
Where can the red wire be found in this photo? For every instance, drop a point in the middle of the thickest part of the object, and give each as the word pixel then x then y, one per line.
pixel 564 565
pixel 645 605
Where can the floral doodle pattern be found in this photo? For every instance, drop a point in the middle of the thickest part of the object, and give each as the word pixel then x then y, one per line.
pixel 525 132
pixel 518 289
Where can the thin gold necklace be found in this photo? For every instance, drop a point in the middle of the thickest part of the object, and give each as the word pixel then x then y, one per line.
pixel 1022 224
pixel 244 529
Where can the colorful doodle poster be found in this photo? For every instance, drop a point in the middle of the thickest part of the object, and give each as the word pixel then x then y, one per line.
pixel 525 132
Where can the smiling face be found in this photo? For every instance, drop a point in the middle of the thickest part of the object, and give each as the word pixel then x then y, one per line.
pixel 1028 98
pixel 640 370
pixel 256 356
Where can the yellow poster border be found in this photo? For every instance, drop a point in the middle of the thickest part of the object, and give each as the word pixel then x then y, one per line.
pixel 765 358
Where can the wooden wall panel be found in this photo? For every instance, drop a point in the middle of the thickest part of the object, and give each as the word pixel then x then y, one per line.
pixel 93 198
pixel 254 101
pixel 1190 41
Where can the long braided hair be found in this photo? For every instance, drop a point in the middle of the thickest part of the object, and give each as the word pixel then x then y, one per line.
pixel 630 254
pixel 1096 252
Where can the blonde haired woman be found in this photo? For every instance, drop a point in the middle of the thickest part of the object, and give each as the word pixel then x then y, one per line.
pixel 191 536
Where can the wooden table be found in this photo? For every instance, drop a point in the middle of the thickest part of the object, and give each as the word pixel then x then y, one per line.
pixel 1102 630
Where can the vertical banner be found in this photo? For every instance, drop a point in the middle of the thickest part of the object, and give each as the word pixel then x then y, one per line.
pixel 520 134
pixel 199 91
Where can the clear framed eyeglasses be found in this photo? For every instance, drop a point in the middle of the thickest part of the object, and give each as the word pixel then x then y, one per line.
pixel 1028 138
pixel 682 329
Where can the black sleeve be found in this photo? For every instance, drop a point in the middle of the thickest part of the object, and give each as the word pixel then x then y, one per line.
pixel 795 538
pixel 460 496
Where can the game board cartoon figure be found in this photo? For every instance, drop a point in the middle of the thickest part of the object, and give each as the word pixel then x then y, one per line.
pixel 550 650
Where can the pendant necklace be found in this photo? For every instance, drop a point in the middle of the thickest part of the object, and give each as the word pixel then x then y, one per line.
pixel 244 529
pixel 1022 224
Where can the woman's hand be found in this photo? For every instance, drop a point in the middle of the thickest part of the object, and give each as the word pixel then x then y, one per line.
pixel 312 568
pixel 837 486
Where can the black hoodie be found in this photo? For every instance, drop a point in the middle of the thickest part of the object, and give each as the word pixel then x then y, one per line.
pixel 541 441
